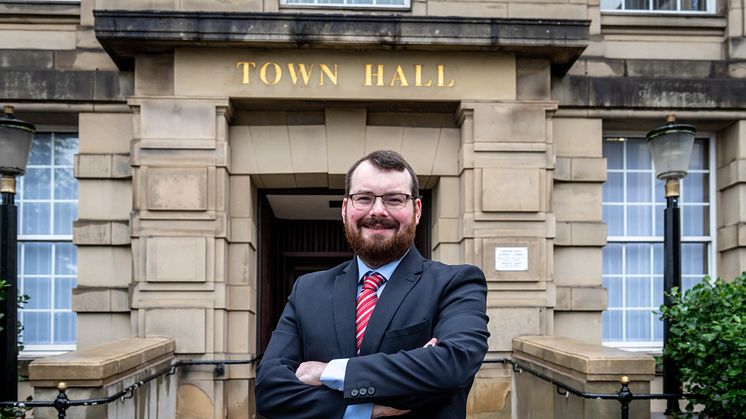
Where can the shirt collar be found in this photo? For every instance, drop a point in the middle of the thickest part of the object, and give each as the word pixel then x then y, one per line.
pixel 386 270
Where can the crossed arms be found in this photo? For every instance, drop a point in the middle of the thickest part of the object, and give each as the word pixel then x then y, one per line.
pixel 404 380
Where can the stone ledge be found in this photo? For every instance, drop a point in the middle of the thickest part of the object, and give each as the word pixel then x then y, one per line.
pixel 731 174
pixel 102 166
pixel 100 300
pixel 732 236
pixel 597 362
pixel 580 169
pixel 98 233
pixel 125 33
pixel 98 364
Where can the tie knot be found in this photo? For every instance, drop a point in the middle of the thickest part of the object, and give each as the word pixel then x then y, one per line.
pixel 372 281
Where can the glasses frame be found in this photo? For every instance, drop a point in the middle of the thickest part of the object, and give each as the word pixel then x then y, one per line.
pixel 351 198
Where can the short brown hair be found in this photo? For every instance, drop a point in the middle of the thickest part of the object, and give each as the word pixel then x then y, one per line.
pixel 385 160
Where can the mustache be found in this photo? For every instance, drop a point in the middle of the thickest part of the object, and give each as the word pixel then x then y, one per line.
pixel 378 222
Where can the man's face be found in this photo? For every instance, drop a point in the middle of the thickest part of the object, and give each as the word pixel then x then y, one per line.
pixel 380 235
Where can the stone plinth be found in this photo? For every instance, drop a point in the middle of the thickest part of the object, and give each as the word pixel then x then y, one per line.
pixel 103 370
pixel 582 366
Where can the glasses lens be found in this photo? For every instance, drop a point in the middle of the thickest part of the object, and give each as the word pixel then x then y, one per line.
pixel 395 201
pixel 362 200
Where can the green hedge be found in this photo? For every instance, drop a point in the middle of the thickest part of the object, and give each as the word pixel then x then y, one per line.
pixel 708 343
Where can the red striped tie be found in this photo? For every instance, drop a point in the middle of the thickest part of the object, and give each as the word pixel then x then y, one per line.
pixel 366 301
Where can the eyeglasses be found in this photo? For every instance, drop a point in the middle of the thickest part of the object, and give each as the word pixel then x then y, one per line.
pixel 391 201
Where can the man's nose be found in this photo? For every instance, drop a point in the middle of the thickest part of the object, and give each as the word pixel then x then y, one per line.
pixel 378 208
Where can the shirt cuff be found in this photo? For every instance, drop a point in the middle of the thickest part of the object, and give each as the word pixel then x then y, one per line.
pixel 358 411
pixel 333 375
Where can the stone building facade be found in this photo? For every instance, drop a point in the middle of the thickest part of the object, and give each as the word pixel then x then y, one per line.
pixel 204 127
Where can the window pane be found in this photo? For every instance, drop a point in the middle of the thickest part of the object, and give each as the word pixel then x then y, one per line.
pixel 638 155
pixel 657 328
pixel 63 291
pixel 612 259
pixel 36 184
pixel 637 259
pixel 658 214
pixel 693 258
pixel 41 150
pixel 613 151
pixel 695 188
pixel 37 259
pixel 639 220
pixel 659 191
pixel 664 4
pixel 638 292
pixel 614 287
pixel 613 216
pixel 35 218
pixel 639 187
pixel 39 291
pixel 637 4
pixel 65 185
pixel 613 190
pixel 658 261
pixel 697 5
pixel 612 325
pixel 64 215
pixel 36 328
pixel 66 259
pixel 695 220
pixel 657 291
pixel 638 325
pixel 65 147
pixel 64 327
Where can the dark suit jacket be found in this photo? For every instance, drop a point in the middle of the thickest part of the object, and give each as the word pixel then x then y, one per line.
pixel 421 300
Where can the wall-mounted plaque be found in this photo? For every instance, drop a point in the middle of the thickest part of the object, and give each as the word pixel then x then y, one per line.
pixel 511 259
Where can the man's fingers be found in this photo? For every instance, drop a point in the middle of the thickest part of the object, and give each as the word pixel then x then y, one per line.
pixel 432 342
pixel 309 372
pixel 385 411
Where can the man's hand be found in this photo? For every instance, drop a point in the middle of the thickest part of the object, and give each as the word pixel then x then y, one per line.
pixel 309 372
pixel 385 411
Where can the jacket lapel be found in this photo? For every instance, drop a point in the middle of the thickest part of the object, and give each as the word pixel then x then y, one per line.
pixel 398 286
pixel 344 301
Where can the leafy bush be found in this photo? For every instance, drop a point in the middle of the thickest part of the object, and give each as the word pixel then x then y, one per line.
pixel 708 343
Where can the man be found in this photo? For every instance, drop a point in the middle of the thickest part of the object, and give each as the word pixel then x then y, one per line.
pixel 387 334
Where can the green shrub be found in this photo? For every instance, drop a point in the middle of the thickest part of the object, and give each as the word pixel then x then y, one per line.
pixel 708 343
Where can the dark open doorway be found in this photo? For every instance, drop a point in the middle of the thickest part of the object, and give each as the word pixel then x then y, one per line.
pixel 306 237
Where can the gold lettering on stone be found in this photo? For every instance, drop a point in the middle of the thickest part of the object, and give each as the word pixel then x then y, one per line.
pixel 441 77
pixel 263 73
pixel 332 75
pixel 369 75
pixel 305 74
pixel 399 77
pixel 418 77
pixel 245 65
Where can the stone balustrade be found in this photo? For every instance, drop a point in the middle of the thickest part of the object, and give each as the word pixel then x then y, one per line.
pixel 103 370
pixel 582 366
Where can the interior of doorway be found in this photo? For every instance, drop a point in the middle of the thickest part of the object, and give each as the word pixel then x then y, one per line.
pixel 300 231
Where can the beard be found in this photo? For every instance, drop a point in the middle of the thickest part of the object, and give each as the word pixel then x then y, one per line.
pixel 379 250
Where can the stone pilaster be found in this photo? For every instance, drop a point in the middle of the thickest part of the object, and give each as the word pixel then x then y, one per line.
pixel 581 233
pixel 101 231
pixel 180 238
pixel 731 185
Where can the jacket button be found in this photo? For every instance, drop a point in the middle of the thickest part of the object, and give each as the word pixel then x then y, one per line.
pixel 363 391
pixel 353 392
pixel 371 391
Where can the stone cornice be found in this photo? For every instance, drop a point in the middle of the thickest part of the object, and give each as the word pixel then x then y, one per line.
pixel 126 33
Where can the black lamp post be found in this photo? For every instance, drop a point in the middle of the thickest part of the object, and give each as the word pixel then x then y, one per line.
pixel 15 145
pixel 671 146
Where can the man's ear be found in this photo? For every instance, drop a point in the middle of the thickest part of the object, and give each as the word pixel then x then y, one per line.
pixel 344 210
pixel 417 210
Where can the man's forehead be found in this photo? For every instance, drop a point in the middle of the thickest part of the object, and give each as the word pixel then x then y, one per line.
pixel 367 172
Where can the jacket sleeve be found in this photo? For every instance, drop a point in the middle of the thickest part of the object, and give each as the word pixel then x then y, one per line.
pixel 461 330
pixel 279 393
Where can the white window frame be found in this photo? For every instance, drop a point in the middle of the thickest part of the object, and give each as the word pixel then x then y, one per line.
pixel 30 350
pixel 656 347
pixel 317 5
pixel 710 9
